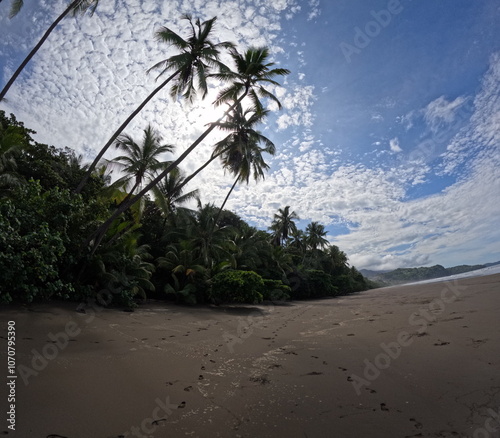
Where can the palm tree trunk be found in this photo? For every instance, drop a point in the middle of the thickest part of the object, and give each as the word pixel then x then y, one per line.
pixel 120 129
pixel 197 171
pixel 98 235
pixel 37 47
pixel 225 200
pixel 130 193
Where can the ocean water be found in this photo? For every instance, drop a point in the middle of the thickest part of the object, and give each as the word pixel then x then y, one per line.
pixel 490 270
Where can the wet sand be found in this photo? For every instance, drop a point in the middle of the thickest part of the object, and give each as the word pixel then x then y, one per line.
pixel 414 361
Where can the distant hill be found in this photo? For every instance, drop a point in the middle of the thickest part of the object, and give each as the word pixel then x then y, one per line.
pixel 408 275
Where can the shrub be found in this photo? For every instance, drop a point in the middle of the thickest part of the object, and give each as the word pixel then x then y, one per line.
pixel 237 287
pixel 275 290
pixel 28 260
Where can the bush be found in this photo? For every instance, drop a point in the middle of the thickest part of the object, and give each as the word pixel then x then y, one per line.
pixel 275 290
pixel 237 287
pixel 28 260
pixel 314 284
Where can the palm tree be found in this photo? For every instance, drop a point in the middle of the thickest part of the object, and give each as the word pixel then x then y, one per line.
pixel 140 161
pixel 76 7
pixel 253 76
pixel 252 71
pixel 337 259
pixel 240 151
pixel 198 55
pixel 315 236
pixel 283 225
pixel 169 194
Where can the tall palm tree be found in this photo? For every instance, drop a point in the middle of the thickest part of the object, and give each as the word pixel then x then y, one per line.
pixel 315 236
pixel 140 162
pixel 75 7
pixel 253 76
pixel 240 150
pixel 198 55
pixel 283 225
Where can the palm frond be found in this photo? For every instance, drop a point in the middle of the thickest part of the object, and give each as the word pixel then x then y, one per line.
pixel 15 8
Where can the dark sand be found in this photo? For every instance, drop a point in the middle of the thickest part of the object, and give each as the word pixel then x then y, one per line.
pixel 288 370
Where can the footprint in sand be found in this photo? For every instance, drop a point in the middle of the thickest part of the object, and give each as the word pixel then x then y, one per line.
pixel 417 424
pixel 275 365
pixel 182 405
pixel 478 342
pixel 342 369
pixel 440 343
pixel 383 407
pixel 188 388
pixel 351 334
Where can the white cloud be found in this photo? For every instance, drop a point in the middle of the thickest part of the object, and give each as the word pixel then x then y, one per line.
pixel 394 145
pixel 441 111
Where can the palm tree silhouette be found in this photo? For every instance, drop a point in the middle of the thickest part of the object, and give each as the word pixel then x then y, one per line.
pixel 283 225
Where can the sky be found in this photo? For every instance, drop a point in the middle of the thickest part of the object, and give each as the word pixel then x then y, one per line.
pixel 389 133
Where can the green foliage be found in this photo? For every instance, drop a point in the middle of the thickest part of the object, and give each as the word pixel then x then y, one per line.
pixel 314 283
pixel 275 290
pixel 237 287
pixel 28 258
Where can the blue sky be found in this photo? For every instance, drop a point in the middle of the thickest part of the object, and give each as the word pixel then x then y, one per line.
pixel 390 130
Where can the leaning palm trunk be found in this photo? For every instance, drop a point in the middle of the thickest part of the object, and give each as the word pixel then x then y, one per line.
pixel 97 159
pixel 197 171
pixel 225 200
pixel 71 7
pixel 98 235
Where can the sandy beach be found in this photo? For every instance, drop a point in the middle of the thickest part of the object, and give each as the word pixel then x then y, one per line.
pixel 409 361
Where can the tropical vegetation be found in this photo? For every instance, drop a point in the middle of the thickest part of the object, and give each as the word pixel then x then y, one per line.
pixel 68 231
